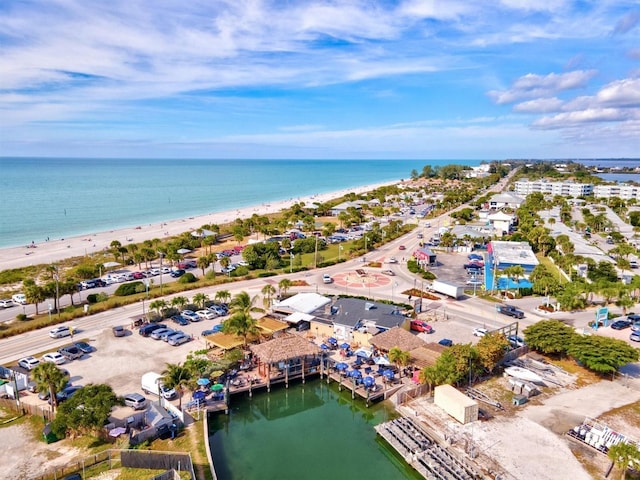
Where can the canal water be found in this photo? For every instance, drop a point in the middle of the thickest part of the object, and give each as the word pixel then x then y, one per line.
pixel 309 432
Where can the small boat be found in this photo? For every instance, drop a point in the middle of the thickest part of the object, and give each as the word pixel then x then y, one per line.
pixel 523 374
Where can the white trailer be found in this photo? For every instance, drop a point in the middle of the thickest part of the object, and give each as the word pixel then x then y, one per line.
pixel 450 289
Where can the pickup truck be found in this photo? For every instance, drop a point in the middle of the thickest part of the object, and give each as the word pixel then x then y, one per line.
pixel 510 310
pixel 70 352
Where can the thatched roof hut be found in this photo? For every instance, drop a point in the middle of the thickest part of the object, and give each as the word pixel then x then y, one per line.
pixel 285 347
pixel 396 337
pixel 427 355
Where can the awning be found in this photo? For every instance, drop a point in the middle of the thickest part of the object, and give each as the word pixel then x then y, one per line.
pixel 224 340
pixel 296 317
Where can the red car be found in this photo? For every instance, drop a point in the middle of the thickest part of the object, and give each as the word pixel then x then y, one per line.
pixel 421 326
pixel 402 247
pixel 138 275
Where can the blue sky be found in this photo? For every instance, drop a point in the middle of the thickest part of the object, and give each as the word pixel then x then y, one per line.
pixel 489 79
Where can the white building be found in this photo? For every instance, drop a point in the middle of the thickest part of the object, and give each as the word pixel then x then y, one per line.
pixel 505 200
pixel 622 191
pixel 564 189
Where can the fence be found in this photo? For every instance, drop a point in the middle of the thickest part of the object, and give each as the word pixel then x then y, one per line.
pixel 25 408
pixel 171 462
pixel 406 395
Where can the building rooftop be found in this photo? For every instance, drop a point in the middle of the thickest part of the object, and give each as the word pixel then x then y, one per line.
pixel 515 253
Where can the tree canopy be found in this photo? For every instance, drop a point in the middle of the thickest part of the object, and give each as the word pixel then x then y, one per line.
pixel 601 354
pixel 86 412
pixel 549 336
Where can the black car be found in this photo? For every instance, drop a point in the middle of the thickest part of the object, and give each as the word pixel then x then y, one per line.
pixel 177 273
pixel 180 320
pixel 620 324
pixel 148 329
pixel 67 393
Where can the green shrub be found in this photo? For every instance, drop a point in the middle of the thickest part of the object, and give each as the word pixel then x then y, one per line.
pixel 266 274
pixel 131 288
pixel 22 317
pixel 188 278
pixel 92 298
pixel 241 271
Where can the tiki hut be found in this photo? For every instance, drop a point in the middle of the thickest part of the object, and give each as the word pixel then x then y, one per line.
pixel 396 337
pixel 290 356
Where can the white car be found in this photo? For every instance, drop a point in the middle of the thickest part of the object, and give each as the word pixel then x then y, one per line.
pixel 54 357
pixel 6 303
pixel 206 314
pixel 59 332
pixel 326 278
pixel 393 260
pixel 19 298
pixel 165 270
pixel 28 362
pixel 480 332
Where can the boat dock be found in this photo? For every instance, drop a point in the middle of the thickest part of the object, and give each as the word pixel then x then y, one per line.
pixel 423 453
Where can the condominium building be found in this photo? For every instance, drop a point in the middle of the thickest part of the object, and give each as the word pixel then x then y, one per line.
pixel 565 189
pixel 620 190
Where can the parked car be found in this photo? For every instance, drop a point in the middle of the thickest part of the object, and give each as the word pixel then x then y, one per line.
pixel 135 401
pixel 190 315
pixel 60 331
pixel 180 320
pixel 446 342
pixel 119 331
pixel 84 347
pixel 388 272
pixel 326 278
pixel 474 283
pixel 176 340
pixel 211 331
pixel 219 310
pixel 67 393
pixel 6 303
pixel 635 337
pixel 393 260
pixel 157 334
pixel 70 352
pixel 476 265
pixel 421 326
pixel 206 314
pixel 474 256
pixel 28 362
pixel 138 275
pixel 621 324
pixel 480 332
pixel 516 341
pixel 146 330
pixel 169 335
pixel 178 273
pixel 54 357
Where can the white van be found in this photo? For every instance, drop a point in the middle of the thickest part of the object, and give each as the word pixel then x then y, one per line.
pixel 19 298
pixel 152 384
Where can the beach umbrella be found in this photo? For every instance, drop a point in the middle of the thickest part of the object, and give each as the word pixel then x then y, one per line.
pixel 345 345
pixel 324 347
pixel 203 382
pixel 389 374
pixel 198 395
pixel 341 366
pixel 369 381
pixel 355 373
pixel 382 361
pixel 362 353
pixel 332 341
pixel 217 387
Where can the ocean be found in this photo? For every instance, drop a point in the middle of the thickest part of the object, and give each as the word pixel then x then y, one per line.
pixel 64 197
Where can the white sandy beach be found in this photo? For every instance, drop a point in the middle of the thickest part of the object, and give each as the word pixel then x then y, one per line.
pixel 58 249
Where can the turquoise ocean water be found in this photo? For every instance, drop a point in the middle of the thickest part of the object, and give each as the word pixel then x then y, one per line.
pixel 60 197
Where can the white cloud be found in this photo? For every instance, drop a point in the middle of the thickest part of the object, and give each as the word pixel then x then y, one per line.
pixel 532 85
pixel 540 105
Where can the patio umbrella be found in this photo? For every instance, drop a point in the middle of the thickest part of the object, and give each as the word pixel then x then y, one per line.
pixel 217 387
pixel 203 382
pixel 341 366
pixel 382 361
pixel 332 341
pixel 355 373
pixel 389 374
pixel 324 347
pixel 198 395
pixel 362 353
pixel 369 381
pixel 345 345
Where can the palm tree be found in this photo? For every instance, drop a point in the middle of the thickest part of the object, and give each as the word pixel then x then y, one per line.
pixel 241 324
pixel 179 301
pixel 268 291
pixel 159 306
pixel 178 377
pixel 222 296
pixel 284 285
pixel 225 262
pixel 203 262
pixel 244 304
pixel 200 299
pixel 624 455
pixel 399 357
pixel 34 293
pixel 49 378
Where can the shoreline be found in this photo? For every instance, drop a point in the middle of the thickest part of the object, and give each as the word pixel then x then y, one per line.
pixel 55 250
